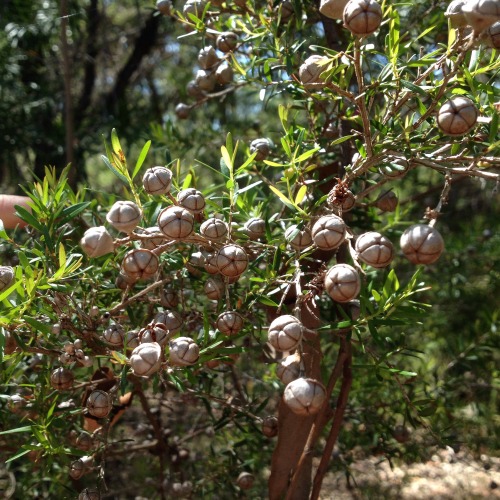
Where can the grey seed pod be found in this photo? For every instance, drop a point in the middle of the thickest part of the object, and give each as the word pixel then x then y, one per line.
pixel 211 264
pixel 96 241
pixel 270 426
pixel 131 339
pixel 457 116
pixel 6 277
pixel 84 441
pixel 78 343
pixel 184 351
pixel 193 90
pixel 224 73
pixel 492 36
pixel 164 6
pixel 157 180
pixel 124 216
pixel 88 493
pixel 191 199
pixel 154 332
pixel 481 14
pixel 207 57
pixel 374 249
pixel 422 244
pixel 362 17
pixel 229 323
pixel 342 283
pixel 262 147
pixel 153 242
pixel 255 228
pixel 227 42
pixel 146 359
pixel 298 238
pixel 396 168
pixel 176 222
pixel 169 298
pixel 245 480
pixel 205 79
pixel 61 379
pixel 171 319
pixel 140 263
pixel 182 111
pixel 194 7
pixel 114 335
pixel 285 333
pixel 288 368
pixel 387 202
pixel 231 260
pixel 80 467
pixel 333 8
pixel 214 229
pixel 124 281
pixel 86 361
pixel 99 403
pixel 455 14
pixel 214 288
pixel 310 71
pixel 329 232
pixel 305 396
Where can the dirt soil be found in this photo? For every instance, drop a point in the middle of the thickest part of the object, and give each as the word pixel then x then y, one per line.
pixel 447 475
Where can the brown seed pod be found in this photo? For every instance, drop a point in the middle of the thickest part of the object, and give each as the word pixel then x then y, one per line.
pixel 214 229
pixel 154 332
pixel 171 319
pixel 169 298
pixel 96 241
pixel 184 351
pixel 285 333
pixel 387 202
pixel 229 323
pixel 270 426
pixel 146 359
pixel 333 8
pixel 374 249
pixel 84 441
pixel 207 57
pixel 298 238
pixel 211 264
pixel 124 216
pixel 140 263
pixel 455 14
pixel 285 10
pixel 196 264
pixel 6 277
pixel 61 379
pixel 231 260
pixel 194 7
pixel 183 110
pixel 227 42
pixel 245 480
pixel 87 493
pixel 224 74
pixel 214 288
pixel 131 339
pixel 310 71
pixel 480 14
pixel 329 232
pixel 114 335
pixel 341 196
pixel 157 238
pixel 205 79
pixel 492 36
pixel 342 283
pixel 99 404
pixel 457 116
pixel 193 90
pixel 305 396
pixel 362 17
pixel 395 168
pixel 80 467
pixel 191 199
pixel 157 180
pixel 262 147
pixel 255 228
pixel 288 368
pixel 422 244
pixel 176 222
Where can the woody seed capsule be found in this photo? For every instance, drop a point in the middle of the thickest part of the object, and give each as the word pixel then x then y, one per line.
pixel 298 238
pixel 480 14
pixel 114 335
pixel 99 403
pixel 184 351
pixel 374 249
pixel 342 283
pixel 214 229
pixel 457 116
pixel 154 332
pixel 229 323
pixel 157 180
pixel 171 319
pixel 227 42
pixel 146 359
pixel 422 244
pixel 333 8
pixel 362 17
pixel 124 216
pixel 310 71
pixel 176 222
pixel 61 378
pixel 96 242
pixel 6 277
pixel 191 199
pixel 304 396
pixel 288 368
pixel 231 260
pixel 285 333
pixel 329 232
pixel 140 263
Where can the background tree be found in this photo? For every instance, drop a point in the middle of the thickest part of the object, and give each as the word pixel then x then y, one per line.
pixel 289 118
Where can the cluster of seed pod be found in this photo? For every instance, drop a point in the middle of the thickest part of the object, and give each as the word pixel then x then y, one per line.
pixel 73 352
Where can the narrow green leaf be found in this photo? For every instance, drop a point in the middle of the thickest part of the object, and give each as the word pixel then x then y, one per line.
pixel 282 197
pixel 71 212
pixel 114 170
pixel 227 158
pixel 28 217
pixel 415 88
pixel 187 181
pixel 267 301
pixel 340 140
pixel 140 160
pixel 38 325
pixel 307 154
pixel 115 142
pixel 301 194
pixel 62 255
pixel 27 428
pixel 17 455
